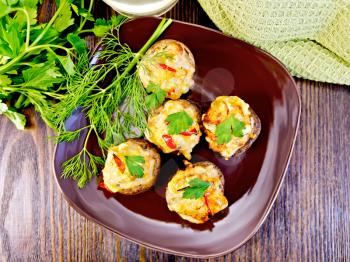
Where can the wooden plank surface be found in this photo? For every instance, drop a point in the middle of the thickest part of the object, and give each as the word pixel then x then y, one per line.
pixel 310 220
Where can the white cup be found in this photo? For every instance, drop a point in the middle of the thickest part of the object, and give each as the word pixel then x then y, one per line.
pixel 134 8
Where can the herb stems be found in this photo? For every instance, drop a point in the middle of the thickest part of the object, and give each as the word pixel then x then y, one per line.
pixel 28 24
pixel 28 48
pixel 163 25
pixel 83 21
pixel 33 68
pixel 113 112
pixel 49 24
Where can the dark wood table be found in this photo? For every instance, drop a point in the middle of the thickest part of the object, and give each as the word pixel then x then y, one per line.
pixel 310 220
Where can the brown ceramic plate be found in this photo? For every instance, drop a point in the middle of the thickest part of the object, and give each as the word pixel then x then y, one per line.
pixel 224 66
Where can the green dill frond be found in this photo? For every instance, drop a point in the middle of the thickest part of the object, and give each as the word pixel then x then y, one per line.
pixel 113 100
pixel 82 167
pixel 68 136
pixel 76 168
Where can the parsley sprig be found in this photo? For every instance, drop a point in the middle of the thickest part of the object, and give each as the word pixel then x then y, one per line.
pixel 156 96
pixel 36 59
pixel 178 122
pixel 230 127
pixel 134 164
pixel 196 189
pixel 16 118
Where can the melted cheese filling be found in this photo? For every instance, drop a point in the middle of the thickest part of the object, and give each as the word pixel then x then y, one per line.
pixel 157 127
pixel 118 181
pixel 221 108
pixel 172 54
pixel 197 210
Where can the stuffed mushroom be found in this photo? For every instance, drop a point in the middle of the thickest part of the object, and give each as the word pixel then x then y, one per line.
pixel 131 167
pixel 168 64
pixel 174 127
pixel 197 193
pixel 231 126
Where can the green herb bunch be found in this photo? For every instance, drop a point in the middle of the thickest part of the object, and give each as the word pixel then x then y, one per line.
pixel 36 59
pixel 112 97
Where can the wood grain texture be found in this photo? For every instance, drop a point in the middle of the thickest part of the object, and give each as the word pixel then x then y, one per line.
pixel 310 220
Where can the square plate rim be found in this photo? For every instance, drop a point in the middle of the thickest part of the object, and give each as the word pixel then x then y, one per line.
pixel 274 194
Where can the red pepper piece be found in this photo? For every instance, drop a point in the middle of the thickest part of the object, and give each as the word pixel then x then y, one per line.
pixel 102 185
pixel 165 67
pixel 171 91
pixel 189 133
pixel 169 141
pixel 206 201
pixel 119 163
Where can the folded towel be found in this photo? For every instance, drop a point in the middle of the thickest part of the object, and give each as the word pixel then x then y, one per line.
pixel 311 37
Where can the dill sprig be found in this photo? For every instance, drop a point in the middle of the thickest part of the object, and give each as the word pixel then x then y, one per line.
pixel 114 111
pixel 83 166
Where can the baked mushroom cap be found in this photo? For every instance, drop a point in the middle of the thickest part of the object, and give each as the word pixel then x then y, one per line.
pixel 159 128
pixel 169 64
pixel 231 126
pixel 197 193
pixel 139 156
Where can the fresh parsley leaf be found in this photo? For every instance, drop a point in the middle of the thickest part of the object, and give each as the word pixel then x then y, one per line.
pixel 5 52
pixel 75 9
pixel 237 127
pixel 156 98
pixel 85 13
pixel 152 101
pixel 4 9
pixel 49 36
pixel 64 19
pixel 228 128
pixel 4 80
pixel 42 76
pixel 3 95
pixel 12 72
pixel 11 2
pixel 117 20
pixel 102 26
pixel 78 43
pixel 152 87
pixel 29 3
pixel 134 164
pixel 196 189
pixel 65 61
pixel 13 37
pixel 178 122
pixel 32 13
pixel 223 132
pixel 18 119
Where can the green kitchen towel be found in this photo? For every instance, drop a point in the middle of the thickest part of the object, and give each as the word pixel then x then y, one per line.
pixel 311 37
